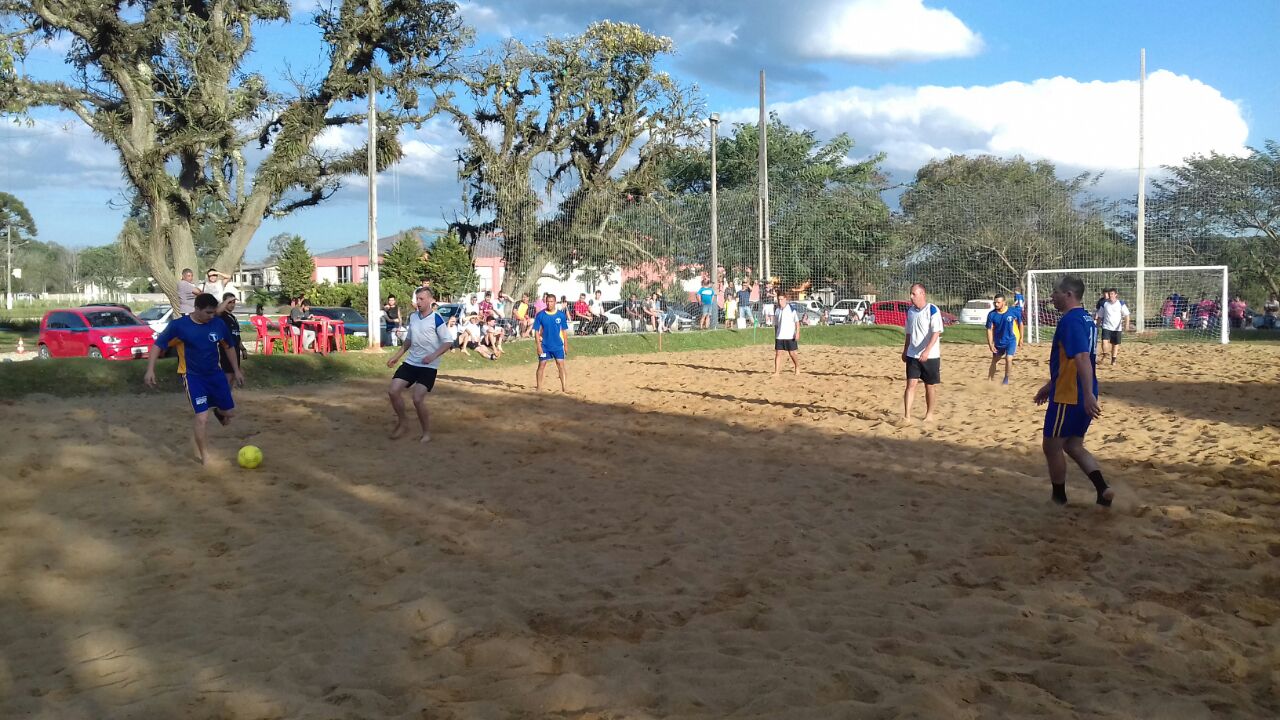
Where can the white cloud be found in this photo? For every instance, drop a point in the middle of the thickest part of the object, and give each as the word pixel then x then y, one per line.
pixel 1073 123
pixel 888 30
pixel 57 153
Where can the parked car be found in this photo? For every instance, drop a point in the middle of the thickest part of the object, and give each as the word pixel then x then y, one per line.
pixel 158 317
pixel 808 316
pixel 894 312
pixel 122 306
pixel 355 323
pixel 96 331
pixel 849 312
pixel 975 312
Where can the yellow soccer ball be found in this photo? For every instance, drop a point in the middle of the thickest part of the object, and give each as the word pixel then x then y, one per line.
pixel 250 457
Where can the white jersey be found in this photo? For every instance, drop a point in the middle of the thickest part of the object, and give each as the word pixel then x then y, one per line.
pixel 920 325
pixel 1113 315
pixel 785 322
pixel 427 334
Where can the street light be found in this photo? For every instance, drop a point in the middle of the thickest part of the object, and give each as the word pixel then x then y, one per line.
pixel 715 208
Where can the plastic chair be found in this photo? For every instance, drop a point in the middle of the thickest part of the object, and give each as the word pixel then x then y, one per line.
pixel 292 336
pixel 263 326
pixel 338 328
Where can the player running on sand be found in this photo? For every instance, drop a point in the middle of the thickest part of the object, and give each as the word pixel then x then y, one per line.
pixel 1003 325
pixel 1072 392
pixel 203 338
pixel 428 338
pixel 551 340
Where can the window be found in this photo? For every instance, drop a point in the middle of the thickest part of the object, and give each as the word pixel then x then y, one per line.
pixel 72 321
pixel 112 318
pixel 344 274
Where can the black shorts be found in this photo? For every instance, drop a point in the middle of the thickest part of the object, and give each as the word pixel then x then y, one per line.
pixel 1112 336
pixel 415 375
pixel 788 345
pixel 930 371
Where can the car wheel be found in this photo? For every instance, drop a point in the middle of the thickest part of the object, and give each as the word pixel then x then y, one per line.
pixel 95 353
pixel 612 329
pixel 42 352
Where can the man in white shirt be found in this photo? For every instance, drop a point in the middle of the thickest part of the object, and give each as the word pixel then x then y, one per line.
pixel 786 334
pixel 1113 319
pixel 428 338
pixel 218 284
pixel 921 352
pixel 471 307
pixel 470 336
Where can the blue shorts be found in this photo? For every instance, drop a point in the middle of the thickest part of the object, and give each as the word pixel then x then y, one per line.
pixel 206 391
pixel 1011 349
pixel 551 353
pixel 1066 420
pixel 708 310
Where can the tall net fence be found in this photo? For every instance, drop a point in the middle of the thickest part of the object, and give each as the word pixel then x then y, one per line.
pixel 851 254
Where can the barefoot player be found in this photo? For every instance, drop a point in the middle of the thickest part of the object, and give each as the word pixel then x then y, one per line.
pixel 203 338
pixel 921 352
pixel 1003 325
pixel 786 334
pixel 1072 392
pixel 428 338
pixel 551 340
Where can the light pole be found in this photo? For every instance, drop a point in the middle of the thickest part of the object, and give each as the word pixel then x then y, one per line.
pixel 715 208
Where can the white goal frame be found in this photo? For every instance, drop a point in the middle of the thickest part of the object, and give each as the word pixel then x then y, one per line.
pixel 1033 314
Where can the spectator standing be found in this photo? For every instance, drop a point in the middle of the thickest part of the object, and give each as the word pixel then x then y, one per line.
pixel 767 303
pixel 227 314
pixel 744 304
pixel 707 296
pixel 218 284
pixel 187 292
pixel 631 309
pixel 392 312
pixel 1271 313
pixel 1235 311
pixel 486 307
pixel 523 316
pixel 1166 312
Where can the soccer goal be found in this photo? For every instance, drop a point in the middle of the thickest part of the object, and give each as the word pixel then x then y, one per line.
pixel 1183 303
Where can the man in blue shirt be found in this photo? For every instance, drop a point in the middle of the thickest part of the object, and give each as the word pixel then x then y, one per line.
pixel 1072 392
pixel 707 295
pixel 551 339
pixel 1003 334
pixel 202 340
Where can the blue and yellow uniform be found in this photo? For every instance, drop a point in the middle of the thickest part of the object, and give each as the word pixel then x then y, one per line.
pixel 1005 329
pixel 198 350
pixel 554 329
pixel 1075 334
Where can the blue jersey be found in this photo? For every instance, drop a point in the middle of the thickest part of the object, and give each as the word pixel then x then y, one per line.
pixel 200 344
pixel 707 295
pixel 554 326
pixel 1018 300
pixel 1075 334
pixel 1004 326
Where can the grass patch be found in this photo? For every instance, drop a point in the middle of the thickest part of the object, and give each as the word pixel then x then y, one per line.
pixel 9 339
pixel 81 376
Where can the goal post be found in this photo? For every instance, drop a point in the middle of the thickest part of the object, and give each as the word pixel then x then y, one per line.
pixel 1185 302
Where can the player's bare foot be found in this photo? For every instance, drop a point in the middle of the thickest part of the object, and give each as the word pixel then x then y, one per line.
pixel 426 438
pixel 399 431
pixel 903 421
pixel 928 418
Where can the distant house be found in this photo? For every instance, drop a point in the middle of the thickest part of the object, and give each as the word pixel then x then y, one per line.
pixel 350 264
pixel 257 276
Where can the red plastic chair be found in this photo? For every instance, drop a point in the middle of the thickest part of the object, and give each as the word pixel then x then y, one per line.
pixel 263 326
pixel 292 335
pixel 339 330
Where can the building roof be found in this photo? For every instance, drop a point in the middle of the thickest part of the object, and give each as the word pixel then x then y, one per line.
pixel 362 249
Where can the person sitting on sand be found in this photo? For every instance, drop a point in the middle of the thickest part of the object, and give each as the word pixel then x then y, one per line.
pixel 427 339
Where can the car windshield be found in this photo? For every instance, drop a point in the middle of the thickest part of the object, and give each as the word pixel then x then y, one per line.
pixel 846 304
pixel 154 313
pixel 111 318
pixel 978 305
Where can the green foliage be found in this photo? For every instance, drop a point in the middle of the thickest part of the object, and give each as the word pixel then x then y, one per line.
pixel 297 268
pixel 46 267
pixel 450 268
pixel 183 147
pixel 1221 209
pixel 327 294
pixel 404 262
pixel 975 225
pixel 276 246
pixel 103 266
pixel 355 342
pixel 14 214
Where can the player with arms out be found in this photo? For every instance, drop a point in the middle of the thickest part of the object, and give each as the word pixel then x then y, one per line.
pixel 428 337
pixel 1004 326
pixel 203 338
pixel 551 339
pixel 1072 392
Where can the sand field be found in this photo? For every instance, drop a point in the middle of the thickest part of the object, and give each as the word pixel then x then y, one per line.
pixel 682 537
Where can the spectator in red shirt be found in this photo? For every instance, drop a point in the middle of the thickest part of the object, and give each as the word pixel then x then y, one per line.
pixel 486 307
pixel 581 311
pixel 1235 310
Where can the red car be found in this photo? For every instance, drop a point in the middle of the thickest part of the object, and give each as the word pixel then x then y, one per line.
pixel 894 312
pixel 97 331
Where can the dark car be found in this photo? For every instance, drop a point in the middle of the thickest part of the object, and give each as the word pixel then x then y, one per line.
pixel 96 331
pixel 355 323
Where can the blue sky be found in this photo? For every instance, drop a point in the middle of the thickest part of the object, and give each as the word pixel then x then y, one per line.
pixel 916 79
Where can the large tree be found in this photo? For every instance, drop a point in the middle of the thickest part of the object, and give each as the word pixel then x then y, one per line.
pixel 15 219
pixel 1221 209
pixel 556 135
pixel 976 225
pixel 168 84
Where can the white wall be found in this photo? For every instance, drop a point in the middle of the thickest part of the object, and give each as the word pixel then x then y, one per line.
pixel 327 274
pixel 610 286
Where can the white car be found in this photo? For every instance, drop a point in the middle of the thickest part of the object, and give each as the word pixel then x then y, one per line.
pixel 616 321
pixel 975 312
pixel 849 312
pixel 157 317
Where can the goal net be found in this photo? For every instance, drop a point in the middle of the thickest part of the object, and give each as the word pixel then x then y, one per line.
pixel 1183 303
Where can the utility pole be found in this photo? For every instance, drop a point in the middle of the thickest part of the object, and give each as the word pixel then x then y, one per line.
pixel 764 183
pixel 715 208
pixel 371 277
pixel 1142 194
pixel 8 265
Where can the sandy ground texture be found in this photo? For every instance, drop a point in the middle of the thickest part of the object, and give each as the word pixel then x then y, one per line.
pixel 682 537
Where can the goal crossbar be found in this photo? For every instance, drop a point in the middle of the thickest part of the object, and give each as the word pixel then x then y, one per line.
pixel 1033 317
